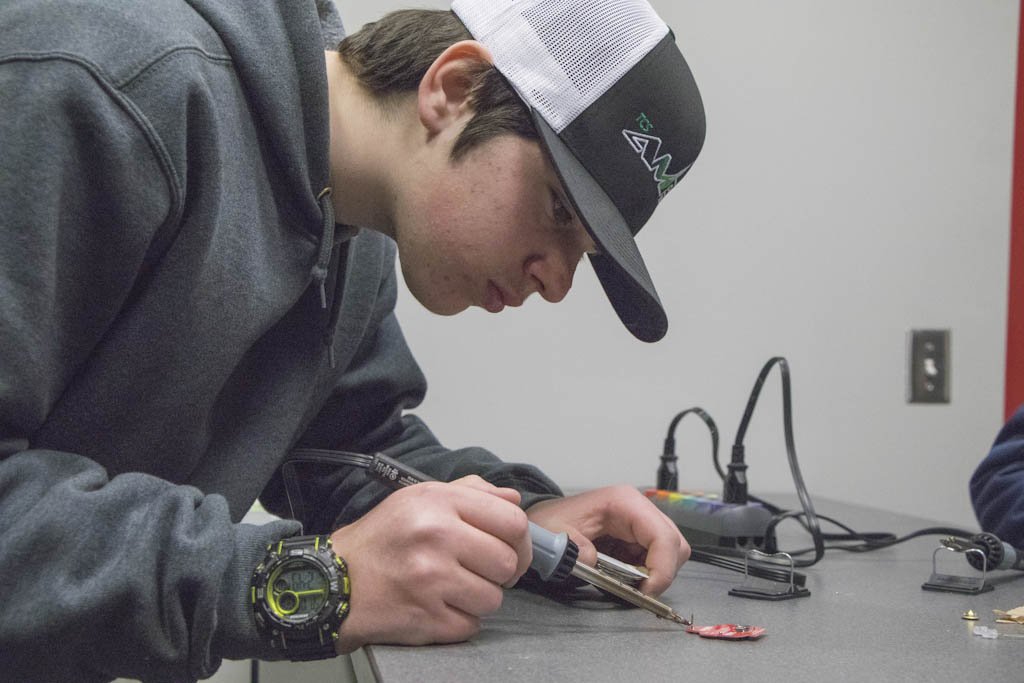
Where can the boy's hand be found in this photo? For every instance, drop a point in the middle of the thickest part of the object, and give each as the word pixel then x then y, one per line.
pixel 621 522
pixel 430 560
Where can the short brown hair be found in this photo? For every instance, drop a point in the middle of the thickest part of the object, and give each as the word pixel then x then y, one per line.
pixel 390 56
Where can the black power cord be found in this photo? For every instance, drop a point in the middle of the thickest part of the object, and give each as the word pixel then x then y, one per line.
pixel 736 480
pixel 668 473
pixel 868 542
pixel 999 554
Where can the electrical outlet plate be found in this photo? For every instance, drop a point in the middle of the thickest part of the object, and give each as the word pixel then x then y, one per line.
pixel 928 366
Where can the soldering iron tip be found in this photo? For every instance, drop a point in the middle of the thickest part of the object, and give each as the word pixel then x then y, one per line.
pixel 682 620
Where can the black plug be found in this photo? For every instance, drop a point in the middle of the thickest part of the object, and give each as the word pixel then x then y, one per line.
pixel 736 480
pixel 668 473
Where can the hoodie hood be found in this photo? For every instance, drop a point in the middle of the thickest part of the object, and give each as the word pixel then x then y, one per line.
pixel 287 89
pixel 286 86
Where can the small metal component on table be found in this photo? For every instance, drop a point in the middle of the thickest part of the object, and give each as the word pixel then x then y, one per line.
pixel 969 615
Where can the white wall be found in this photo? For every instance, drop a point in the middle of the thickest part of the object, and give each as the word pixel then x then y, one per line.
pixel 855 184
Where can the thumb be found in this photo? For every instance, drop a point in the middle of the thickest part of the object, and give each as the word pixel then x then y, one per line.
pixel 588 553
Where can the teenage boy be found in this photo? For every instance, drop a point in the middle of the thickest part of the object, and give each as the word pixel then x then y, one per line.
pixel 185 303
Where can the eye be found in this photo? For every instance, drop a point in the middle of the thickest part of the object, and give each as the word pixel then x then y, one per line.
pixel 562 214
pixel 565 219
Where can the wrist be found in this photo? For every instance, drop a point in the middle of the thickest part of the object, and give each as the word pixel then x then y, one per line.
pixel 300 596
pixel 530 499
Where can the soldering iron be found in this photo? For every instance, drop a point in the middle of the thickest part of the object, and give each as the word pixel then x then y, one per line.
pixel 555 556
pixel 998 553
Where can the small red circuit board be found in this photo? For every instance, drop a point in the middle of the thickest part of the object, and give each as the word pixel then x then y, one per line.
pixel 727 631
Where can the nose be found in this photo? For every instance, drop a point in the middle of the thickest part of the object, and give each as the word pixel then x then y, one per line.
pixel 552 275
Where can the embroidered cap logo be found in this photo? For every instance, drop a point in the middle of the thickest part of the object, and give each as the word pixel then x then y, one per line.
pixel 649 148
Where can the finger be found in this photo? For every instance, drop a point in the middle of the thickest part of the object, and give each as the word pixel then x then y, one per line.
pixel 635 519
pixel 665 553
pixel 501 519
pixel 487 556
pixel 472 594
pixel 455 626
pixel 588 552
pixel 443 624
pixel 480 484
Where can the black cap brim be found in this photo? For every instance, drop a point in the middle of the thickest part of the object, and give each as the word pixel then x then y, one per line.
pixel 619 266
pixel 618 159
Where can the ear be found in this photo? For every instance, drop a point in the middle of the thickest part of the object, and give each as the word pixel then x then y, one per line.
pixel 444 91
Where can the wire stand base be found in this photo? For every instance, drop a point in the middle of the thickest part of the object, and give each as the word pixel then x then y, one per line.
pixel 766 592
pixel 953 583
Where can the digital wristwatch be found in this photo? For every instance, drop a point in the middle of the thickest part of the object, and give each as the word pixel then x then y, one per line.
pixel 300 596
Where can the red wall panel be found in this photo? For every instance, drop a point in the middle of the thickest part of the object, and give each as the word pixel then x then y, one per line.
pixel 1015 315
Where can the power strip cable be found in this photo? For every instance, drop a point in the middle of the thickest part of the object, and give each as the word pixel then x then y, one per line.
pixel 668 472
pixel 736 479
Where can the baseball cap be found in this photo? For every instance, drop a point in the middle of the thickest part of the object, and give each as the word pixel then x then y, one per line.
pixel 619 113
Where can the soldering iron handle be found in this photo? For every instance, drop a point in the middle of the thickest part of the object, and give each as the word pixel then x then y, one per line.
pixel 554 555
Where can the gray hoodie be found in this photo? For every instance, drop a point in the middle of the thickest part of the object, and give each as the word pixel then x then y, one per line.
pixel 173 291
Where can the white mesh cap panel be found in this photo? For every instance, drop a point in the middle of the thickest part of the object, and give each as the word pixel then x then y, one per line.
pixel 561 55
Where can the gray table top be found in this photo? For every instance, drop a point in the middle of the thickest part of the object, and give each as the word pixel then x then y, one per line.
pixel 867 618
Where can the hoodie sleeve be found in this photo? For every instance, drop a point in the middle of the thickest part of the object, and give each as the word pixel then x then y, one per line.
pixel 997 486
pixel 367 414
pixel 101 577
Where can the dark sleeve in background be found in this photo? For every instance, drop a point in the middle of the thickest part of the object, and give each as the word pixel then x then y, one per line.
pixel 997 486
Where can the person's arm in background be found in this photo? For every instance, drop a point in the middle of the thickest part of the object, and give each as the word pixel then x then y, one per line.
pixel 997 486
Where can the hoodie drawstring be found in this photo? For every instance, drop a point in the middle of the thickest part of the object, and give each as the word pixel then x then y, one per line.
pixel 323 258
pixel 322 268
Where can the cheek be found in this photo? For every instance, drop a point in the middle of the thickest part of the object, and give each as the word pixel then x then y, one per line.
pixel 437 263
pixel 476 226
pixel 460 230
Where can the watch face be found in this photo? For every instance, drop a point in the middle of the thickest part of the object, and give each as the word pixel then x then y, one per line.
pixel 297 590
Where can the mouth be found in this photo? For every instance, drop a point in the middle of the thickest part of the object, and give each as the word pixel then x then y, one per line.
pixel 496 298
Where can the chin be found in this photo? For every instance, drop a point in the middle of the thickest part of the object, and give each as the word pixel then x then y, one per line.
pixel 445 310
pixel 432 298
pixel 438 305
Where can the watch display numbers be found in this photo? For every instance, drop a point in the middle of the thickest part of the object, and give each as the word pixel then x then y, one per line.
pixel 306 579
pixel 298 590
